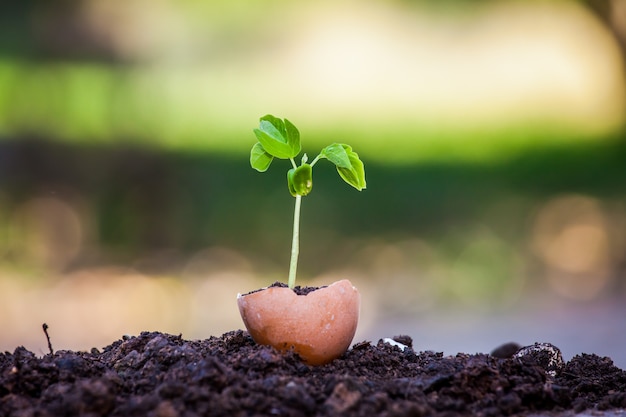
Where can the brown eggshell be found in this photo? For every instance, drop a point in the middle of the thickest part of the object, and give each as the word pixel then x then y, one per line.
pixel 318 326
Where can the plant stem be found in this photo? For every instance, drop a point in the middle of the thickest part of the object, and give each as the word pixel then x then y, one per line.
pixel 317 158
pixel 295 244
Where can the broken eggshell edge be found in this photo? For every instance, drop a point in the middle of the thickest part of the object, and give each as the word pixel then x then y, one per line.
pixel 318 326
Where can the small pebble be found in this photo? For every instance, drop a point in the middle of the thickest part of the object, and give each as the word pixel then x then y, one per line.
pixel 506 350
pixel 392 342
pixel 545 355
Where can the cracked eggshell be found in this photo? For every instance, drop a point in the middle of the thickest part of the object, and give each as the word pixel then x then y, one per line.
pixel 318 326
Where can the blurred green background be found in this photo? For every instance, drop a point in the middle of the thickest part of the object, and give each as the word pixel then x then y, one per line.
pixel 493 135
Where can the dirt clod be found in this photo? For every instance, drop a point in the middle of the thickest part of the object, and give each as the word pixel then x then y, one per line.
pixel 156 374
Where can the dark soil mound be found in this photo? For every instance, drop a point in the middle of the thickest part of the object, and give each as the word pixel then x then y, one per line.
pixel 162 375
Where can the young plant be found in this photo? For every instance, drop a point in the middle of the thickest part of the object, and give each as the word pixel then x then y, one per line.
pixel 279 138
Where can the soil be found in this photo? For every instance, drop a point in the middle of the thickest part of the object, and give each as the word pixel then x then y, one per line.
pixel 300 290
pixel 162 375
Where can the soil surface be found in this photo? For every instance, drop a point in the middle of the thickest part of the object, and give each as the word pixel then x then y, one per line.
pixel 161 375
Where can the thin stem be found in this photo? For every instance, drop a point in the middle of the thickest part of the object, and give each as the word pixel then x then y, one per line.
pixel 317 158
pixel 293 163
pixel 295 244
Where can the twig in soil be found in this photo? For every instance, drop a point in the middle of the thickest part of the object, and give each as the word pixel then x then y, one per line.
pixel 45 330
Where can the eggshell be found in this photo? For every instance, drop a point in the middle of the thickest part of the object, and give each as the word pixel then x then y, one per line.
pixel 318 326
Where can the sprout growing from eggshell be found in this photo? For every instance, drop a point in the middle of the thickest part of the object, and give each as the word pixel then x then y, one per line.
pixel 279 138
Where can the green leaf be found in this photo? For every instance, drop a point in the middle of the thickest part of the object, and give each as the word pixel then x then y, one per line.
pixel 300 180
pixel 259 158
pixel 355 174
pixel 336 154
pixel 279 138
pixel 293 136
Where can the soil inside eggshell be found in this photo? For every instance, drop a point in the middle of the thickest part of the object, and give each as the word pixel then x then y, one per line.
pixel 165 375
pixel 299 290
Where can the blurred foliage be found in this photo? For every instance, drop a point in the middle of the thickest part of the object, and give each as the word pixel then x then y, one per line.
pixel 139 116
pixel 145 201
pixel 100 104
pixel 194 75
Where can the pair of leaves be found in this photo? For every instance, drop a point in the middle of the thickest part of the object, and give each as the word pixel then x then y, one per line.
pixel 277 139
pixel 280 139
pixel 349 165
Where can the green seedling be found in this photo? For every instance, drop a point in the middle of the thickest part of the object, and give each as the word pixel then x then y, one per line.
pixel 278 138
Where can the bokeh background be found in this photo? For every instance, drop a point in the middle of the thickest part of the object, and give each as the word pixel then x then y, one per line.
pixel 493 134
